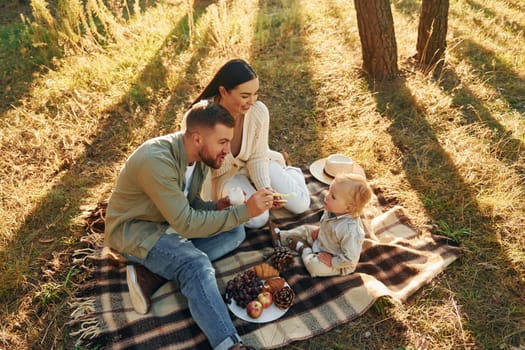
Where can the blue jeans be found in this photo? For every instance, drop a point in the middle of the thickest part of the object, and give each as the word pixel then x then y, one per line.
pixel 188 262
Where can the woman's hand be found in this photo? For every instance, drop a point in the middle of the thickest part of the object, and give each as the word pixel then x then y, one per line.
pixel 223 203
pixel 325 258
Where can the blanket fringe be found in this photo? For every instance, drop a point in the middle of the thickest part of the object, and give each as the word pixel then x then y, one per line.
pixel 80 255
pixel 82 307
pixel 83 318
pixel 84 322
pixel 89 325
pixel 89 329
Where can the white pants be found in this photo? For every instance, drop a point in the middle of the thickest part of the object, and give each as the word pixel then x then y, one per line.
pixel 285 179
pixel 315 267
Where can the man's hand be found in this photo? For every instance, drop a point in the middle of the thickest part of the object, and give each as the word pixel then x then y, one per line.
pixel 223 203
pixel 259 202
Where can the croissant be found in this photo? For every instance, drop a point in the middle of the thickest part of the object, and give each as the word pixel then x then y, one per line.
pixel 274 284
pixel 265 271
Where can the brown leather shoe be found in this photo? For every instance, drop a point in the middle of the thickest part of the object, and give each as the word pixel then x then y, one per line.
pixel 142 284
pixel 293 242
pixel 275 232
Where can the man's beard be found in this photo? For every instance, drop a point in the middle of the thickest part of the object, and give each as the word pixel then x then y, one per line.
pixel 207 159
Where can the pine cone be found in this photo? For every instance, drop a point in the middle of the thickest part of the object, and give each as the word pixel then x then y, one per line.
pixel 284 297
pixel 282 258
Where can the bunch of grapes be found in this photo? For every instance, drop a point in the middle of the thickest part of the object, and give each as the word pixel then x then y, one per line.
pixel 243 288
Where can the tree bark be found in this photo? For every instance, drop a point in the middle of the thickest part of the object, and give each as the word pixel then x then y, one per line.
pixel 378 40
pixel 432 33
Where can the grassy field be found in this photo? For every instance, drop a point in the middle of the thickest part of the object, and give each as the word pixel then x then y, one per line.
pixel 450 149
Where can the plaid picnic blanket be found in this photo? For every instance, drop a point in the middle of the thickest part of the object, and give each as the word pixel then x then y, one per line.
pixel 397 259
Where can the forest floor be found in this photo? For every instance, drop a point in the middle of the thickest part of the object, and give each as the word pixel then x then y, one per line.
pixel 449 148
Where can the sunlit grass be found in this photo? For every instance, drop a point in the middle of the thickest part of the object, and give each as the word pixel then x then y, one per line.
pixel 450 149
pixel 71 99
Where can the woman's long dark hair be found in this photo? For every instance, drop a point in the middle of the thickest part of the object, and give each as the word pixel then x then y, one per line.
pixel 231 74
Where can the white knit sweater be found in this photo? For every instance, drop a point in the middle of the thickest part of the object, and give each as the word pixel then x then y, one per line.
pixel 252 159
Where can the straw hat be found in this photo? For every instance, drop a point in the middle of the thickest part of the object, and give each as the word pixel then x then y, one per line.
pixel 326 169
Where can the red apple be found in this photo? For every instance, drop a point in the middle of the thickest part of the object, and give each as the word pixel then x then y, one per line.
pixel 254 309
pixel 265 298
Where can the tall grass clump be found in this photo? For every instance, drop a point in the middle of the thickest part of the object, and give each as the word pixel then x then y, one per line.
pixel 64 27
pixel 15 41
pixel 45 37
pixel 55 156
pixel 231 26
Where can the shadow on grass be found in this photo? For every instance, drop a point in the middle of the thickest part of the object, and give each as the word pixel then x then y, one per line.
pixel 17 66
pixel 20 58
pixel 53 215
pixel 285 80
pixel 516 4
pixel 179 99
pixel 508 149
pixel 410 8
pixel 431 172
pixel 507 24
pixel 428 167
pixel 511 88
pixel 291 101
pixel 490 68
pixel 509 83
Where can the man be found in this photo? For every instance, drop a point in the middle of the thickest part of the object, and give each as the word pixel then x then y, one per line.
pixel 156 218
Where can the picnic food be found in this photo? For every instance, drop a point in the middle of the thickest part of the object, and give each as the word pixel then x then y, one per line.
pixel 243 288
pixel 284 195
pixel 236 196
pixel 265 271
pixel 284 297
pixel 279 198
pixel 253 295
pixel 282 258
pixel 254 309
pixel 273 284
pixel 265 298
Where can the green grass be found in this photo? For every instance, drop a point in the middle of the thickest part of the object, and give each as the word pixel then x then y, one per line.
pixel 449 149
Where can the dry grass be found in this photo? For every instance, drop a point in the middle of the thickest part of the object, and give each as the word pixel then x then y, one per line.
pixel 449 149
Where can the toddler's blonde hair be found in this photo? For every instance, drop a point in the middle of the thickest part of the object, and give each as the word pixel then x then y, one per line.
pixel 357 191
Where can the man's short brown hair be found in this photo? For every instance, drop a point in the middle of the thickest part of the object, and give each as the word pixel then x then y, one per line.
pixel 207 114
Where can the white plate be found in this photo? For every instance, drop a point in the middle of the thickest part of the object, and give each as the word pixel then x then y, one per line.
pixel 269 314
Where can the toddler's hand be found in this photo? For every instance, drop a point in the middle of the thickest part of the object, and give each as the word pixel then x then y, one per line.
pixel 325 258
pixel 278 202
pixel 315 234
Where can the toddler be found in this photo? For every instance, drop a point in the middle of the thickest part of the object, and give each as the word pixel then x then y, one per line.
pixel 334 247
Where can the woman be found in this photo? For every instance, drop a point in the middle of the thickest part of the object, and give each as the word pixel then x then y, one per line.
pixel 251 165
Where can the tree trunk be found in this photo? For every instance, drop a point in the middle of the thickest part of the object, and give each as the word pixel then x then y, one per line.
pixel 378 40
pixel 432 33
